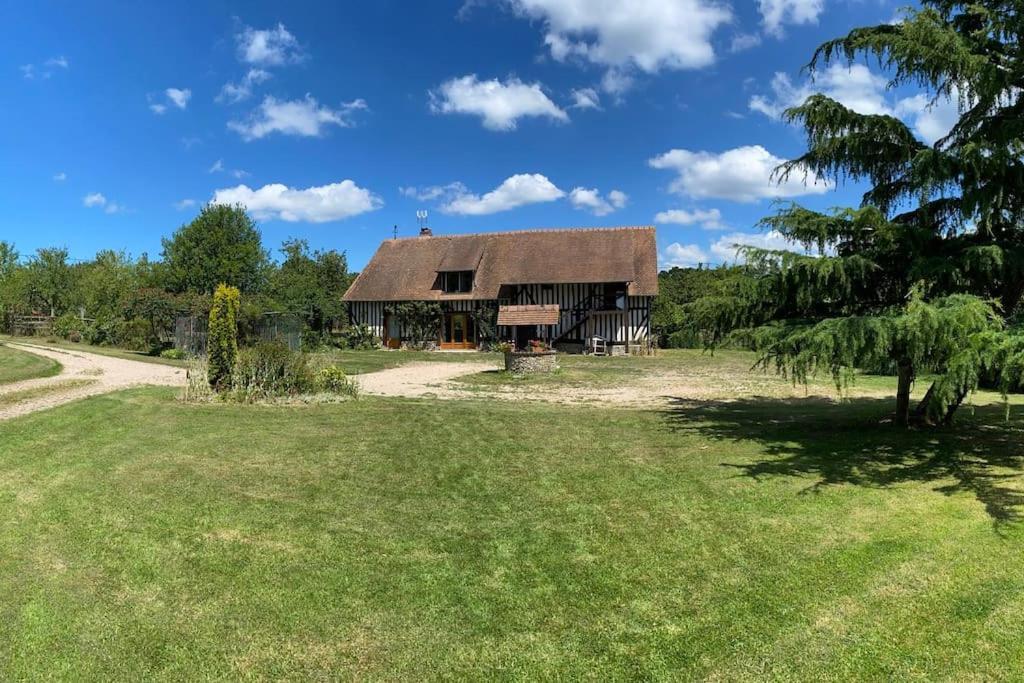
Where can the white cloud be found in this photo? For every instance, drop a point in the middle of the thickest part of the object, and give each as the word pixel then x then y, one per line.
pixel 269 47
pixel 585 98
pixel 184 204
pixel 30 72
pixel 500 105
pixel 60 177
pixel 219 167
pixel 616 82
pixel 332 202
pixel 743 174
pixel 179 97
pixel 683 256
pixel 648 35
pixel 592 201
pixel 305 118
pixel 434 192
pixel 865 92
pixel 776 13
pixel 710 219
pixel 727 246
pixel 518 190
pixel 232 93
pixel 97 200
pixel 94 199
pixel 744 41
pixel 855 87
pixel 930 120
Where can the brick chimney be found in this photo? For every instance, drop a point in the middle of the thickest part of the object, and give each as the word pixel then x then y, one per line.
pixel 426 232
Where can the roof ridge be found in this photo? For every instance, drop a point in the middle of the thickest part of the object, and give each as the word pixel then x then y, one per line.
pixel 544 230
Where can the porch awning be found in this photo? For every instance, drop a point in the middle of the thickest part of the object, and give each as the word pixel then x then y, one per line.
pixel 530 314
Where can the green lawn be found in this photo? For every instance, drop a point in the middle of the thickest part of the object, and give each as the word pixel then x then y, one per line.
pixel 13 398
pixel 361 362
pixel 16 365
pixel 400 539
pixel 723 369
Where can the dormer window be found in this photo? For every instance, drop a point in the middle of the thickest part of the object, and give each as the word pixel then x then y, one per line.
pixel 457 281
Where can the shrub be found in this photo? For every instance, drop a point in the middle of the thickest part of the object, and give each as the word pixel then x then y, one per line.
pixel 361 338
pixel 270 369
pixel 222 339
pixel 134 335
pixel 69 326
pixel 421 318
pixel 332 380
pixel 102 331
pixel 197 383
pixel 685 338
pixel 173 354
pixel 313 340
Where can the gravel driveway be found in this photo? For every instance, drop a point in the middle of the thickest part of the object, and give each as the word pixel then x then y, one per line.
pixel 420 379
pixel 83 374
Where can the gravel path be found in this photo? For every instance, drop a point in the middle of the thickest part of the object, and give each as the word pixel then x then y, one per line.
pixel 103 374
pixel 420 379
pixel 433 379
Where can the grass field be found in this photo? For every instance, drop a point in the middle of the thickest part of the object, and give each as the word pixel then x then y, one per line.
pixel 361 362
pixel 16 365
pixel 595 371
pixel 386 538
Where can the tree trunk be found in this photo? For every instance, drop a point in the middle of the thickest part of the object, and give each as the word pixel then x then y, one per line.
pixel 905 375
pixel 921 412
pixel 951 409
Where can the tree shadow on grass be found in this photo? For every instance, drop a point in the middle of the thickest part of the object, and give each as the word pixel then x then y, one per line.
pixel 850 443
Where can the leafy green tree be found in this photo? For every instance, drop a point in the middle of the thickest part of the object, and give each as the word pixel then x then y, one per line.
pixel 106 284
pixel 922 275
pixel 311 283
pixel 9 259
pixel 222 336
pixel 50 280
pixel 158 309
pixel 222 245
pixel 13 289
pixel 678 287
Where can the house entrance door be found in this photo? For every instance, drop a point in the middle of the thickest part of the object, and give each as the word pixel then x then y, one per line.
pixel 392 332
pixel 458 332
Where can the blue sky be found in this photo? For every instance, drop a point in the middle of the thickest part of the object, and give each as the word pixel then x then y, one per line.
pixel 335 121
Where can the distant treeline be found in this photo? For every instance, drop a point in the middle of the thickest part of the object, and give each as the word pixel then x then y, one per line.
pixel 133 302
pixel 678 289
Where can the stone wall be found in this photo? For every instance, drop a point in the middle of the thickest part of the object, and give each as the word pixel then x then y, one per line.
pixel 530 363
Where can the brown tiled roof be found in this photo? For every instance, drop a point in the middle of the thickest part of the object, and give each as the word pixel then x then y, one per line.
pixel 529 314
pixel 406 269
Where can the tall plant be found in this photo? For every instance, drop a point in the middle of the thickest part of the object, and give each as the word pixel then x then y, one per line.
pixel 923 274
pixel 222 339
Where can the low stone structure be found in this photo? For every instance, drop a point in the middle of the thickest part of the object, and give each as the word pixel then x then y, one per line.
pixel 528 363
